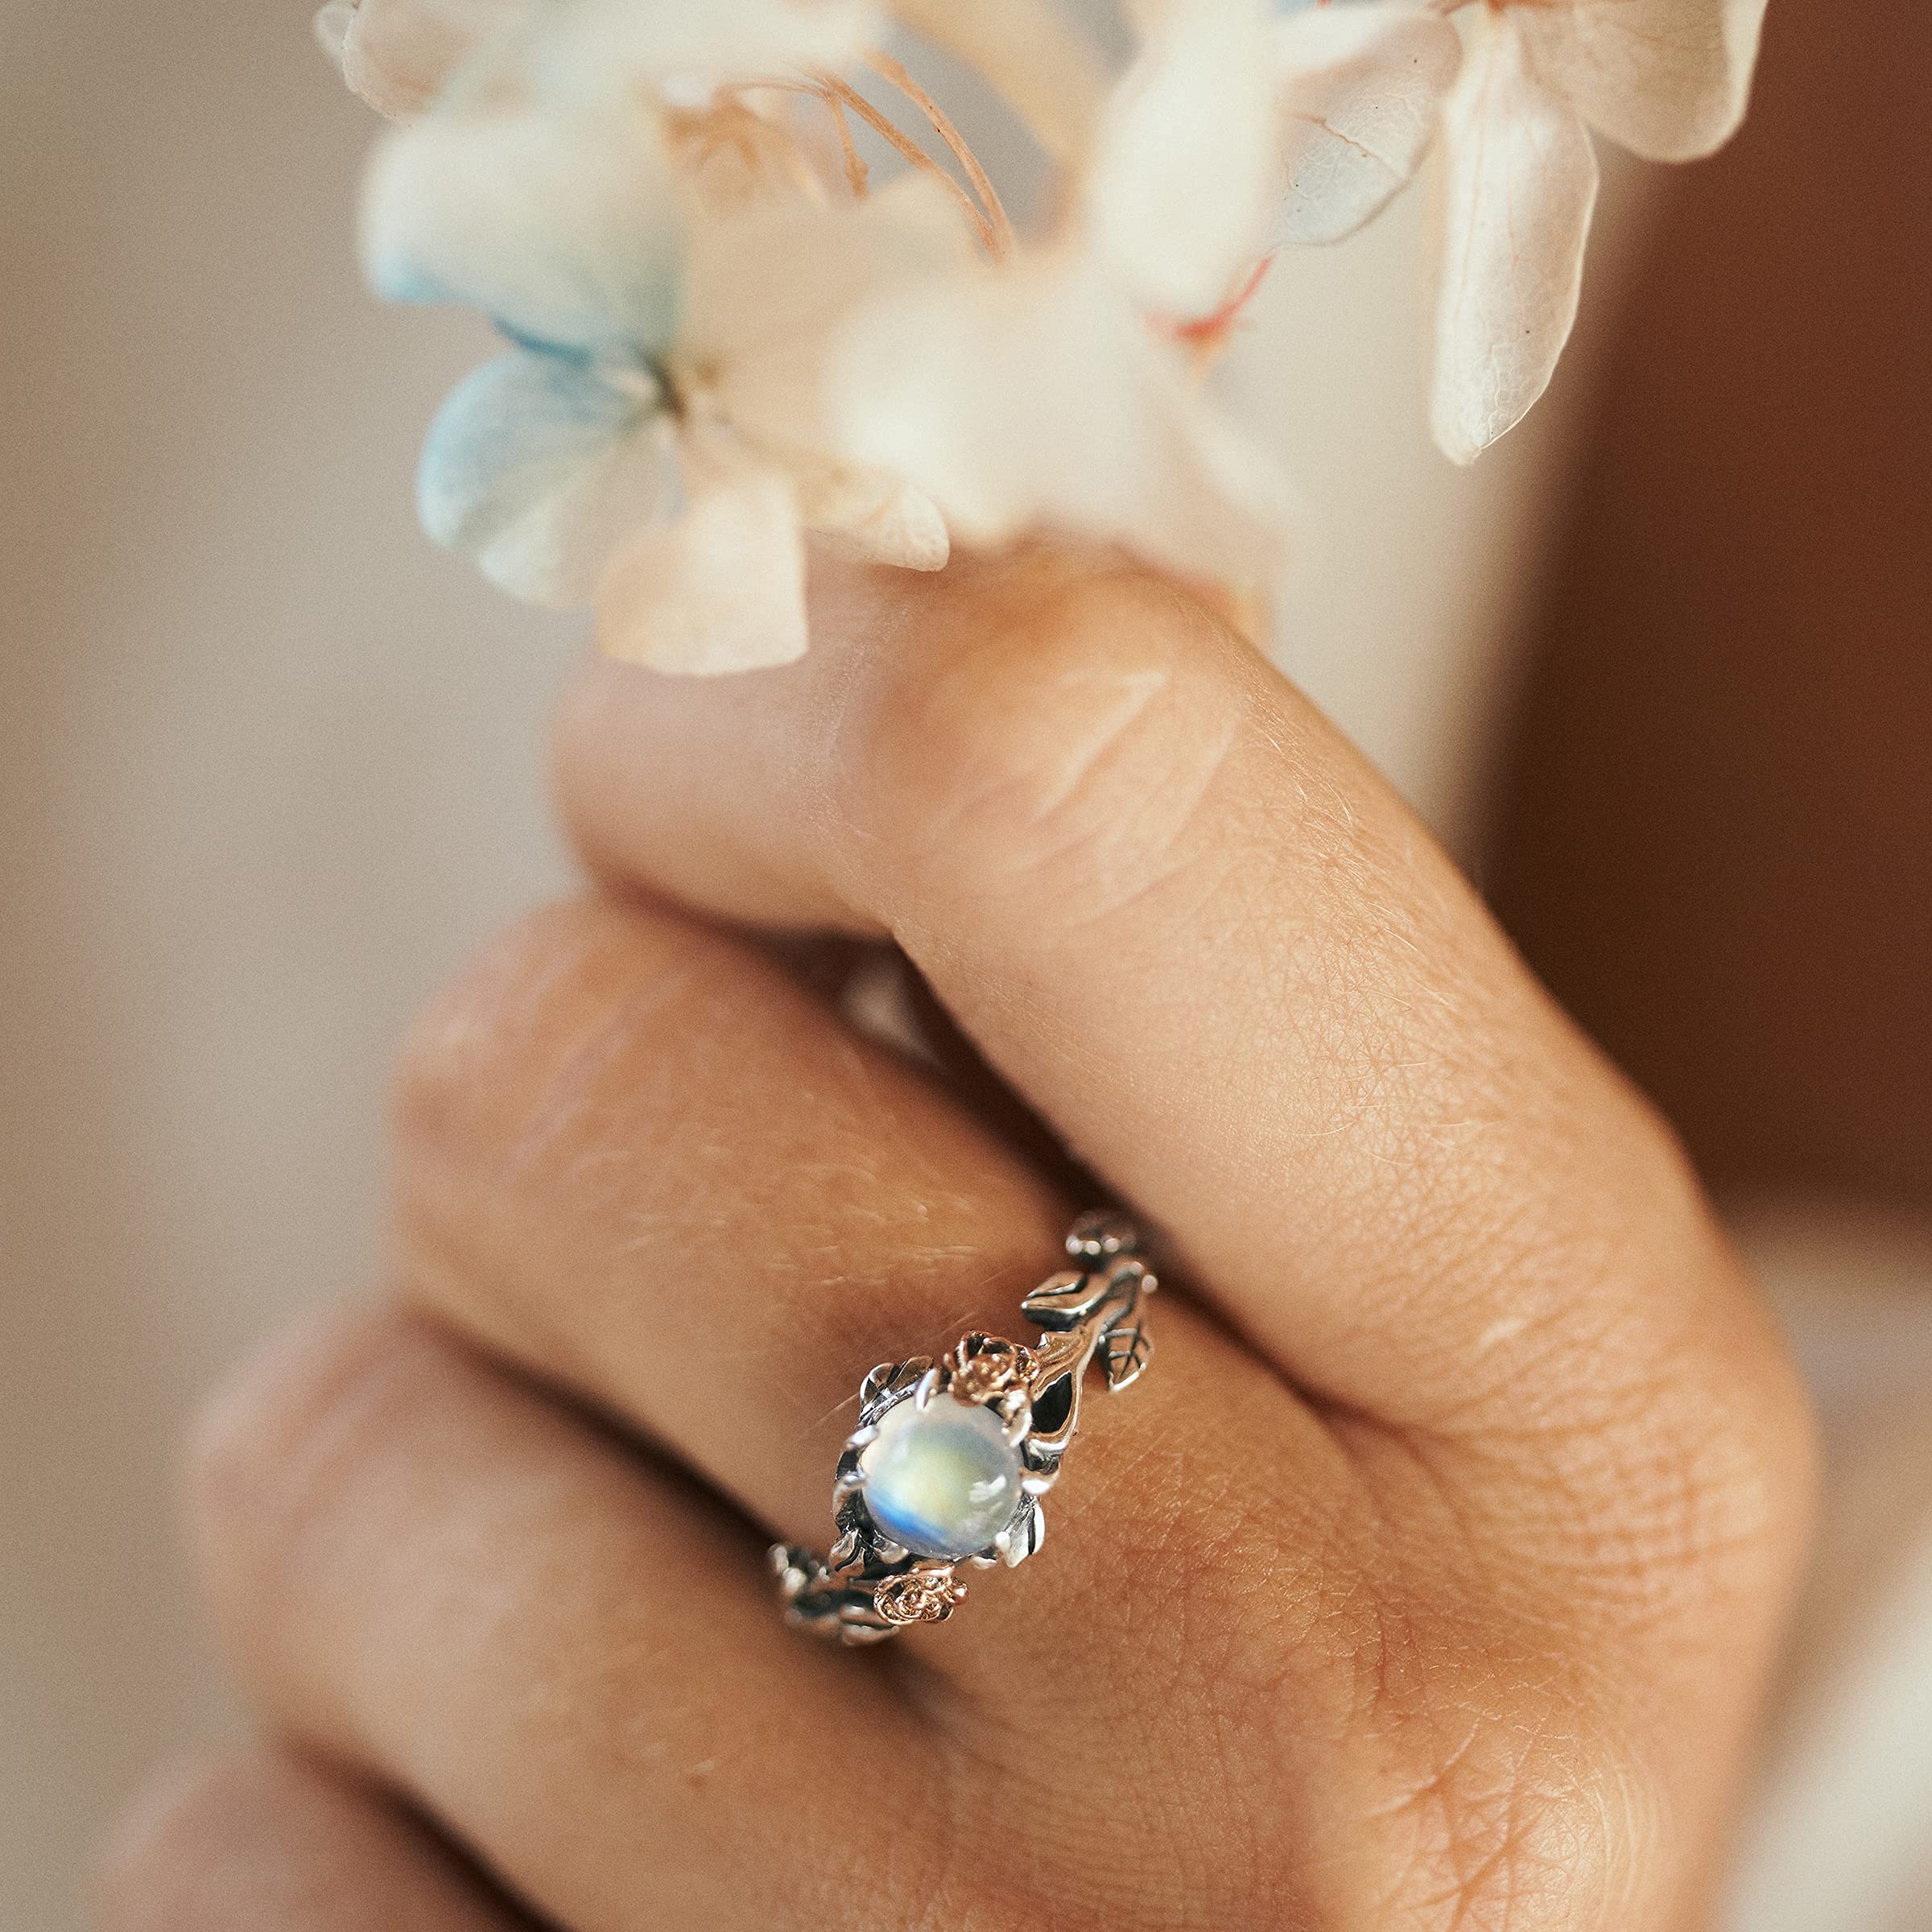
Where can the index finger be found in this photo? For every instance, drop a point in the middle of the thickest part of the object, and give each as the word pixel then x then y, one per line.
pixel 1189 922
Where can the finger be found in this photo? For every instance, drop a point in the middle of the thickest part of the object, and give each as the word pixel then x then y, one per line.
pixel 637 1159
pixel 1186 919
pixel 261 1842
pixel 568 1659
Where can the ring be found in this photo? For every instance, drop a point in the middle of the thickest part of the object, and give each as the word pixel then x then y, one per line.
pixel 951 1459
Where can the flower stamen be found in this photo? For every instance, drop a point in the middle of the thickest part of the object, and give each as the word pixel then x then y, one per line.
pixel 882 124
pixel 1001 227
pixel 857 174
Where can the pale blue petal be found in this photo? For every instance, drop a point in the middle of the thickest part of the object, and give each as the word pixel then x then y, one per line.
pixel 567 231
pixel 540 469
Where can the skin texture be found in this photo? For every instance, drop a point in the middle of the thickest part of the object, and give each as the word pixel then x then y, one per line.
pixel 1430 1578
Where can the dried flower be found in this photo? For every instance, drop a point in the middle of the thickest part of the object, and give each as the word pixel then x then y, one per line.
pixel 1032 394
pixel 722 337
pixel 398 54
pixel 1360 92
pixel 649 443
pixel 1361 87
pixel 1666 78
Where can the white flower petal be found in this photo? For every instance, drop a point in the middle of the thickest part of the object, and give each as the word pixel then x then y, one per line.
pixel 1183 176
pixel 768 285
pixel 720 589
pixel 868 514
pixel 331 24
pixel 1035 397
pixel 1519 187
pixel 1030 54
pixel 567 230
pixel 398 54
pixel 1668 79
pixel 769 288
pixel 540 470
pixel 597 50
pixel 1360 90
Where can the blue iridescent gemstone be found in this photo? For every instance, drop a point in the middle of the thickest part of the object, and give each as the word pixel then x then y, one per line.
pixel 943 1480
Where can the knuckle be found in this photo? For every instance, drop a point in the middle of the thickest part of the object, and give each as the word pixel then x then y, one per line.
pixel 1517 1827
pixel 1636 1418
pixel 157 1870
pixel 536 1001
pixel 1063 741
pixel 1496 1776
pixel 534 1089
pixel 553 1087
pixel 1703 1444
pixel 1468 1772
pixel 268 1459
pixel 1733 1492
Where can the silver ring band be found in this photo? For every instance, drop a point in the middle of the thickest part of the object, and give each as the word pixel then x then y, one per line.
pixel 950 1460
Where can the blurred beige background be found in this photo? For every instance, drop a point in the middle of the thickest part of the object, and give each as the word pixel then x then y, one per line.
pixel 267 769
pixel 270 765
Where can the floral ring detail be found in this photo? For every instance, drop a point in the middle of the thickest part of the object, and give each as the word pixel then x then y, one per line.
pixel 950 1460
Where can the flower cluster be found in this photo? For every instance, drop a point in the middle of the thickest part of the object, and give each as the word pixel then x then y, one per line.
pixel 755 285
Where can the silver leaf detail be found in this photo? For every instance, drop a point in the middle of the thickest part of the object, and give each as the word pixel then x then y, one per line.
pixel 1124 1354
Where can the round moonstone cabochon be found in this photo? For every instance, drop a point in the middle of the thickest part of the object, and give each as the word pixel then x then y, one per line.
pixel 943 1480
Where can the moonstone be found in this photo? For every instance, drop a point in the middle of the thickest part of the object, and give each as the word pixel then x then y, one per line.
pixel 943 1480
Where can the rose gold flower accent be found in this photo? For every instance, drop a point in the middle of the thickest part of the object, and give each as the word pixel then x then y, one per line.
pixel 992 1367
pixel 920 1596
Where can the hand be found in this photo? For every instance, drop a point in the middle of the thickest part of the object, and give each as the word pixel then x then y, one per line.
pixel 1428 1579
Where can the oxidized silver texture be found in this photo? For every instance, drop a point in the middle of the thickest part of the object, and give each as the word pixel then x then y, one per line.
pixel 868 1586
